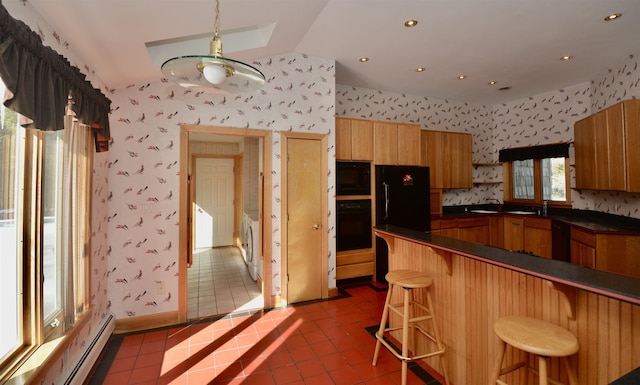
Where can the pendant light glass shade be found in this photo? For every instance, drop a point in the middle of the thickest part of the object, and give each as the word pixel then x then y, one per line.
pixel 214 72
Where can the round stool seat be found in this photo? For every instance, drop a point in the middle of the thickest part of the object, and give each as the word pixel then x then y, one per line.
pixel 536 336
pixel 409 279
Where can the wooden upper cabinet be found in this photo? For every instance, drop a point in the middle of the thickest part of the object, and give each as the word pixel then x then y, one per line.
pixel 354 139
pixel 432 156
pixel 585 153
pixel 448 156
pixel 632 143
pixel 457 172
pixel 606 148
pixel 396 144
pixel 343 139
pixel 385 143
pixel 408 144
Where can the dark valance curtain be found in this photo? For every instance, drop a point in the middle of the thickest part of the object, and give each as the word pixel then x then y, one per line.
pixel 41 82
pixel 559 150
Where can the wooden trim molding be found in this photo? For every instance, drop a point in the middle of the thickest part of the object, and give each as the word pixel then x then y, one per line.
pixel 151 321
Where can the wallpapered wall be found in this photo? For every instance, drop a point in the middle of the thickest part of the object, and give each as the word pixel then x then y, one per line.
pixel 143 161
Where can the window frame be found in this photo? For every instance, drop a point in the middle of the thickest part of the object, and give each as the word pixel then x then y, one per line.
pixel 508 187
pixel 39 342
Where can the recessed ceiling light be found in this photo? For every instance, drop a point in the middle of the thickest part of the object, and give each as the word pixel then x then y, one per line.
pixel 420 69
pixel 613 16
pixel 493 83
pixel 462 77
pixel 363 59
pixel 566 58
pixel 410 23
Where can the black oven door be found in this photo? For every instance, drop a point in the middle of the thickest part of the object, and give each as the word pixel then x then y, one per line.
pixel 353 224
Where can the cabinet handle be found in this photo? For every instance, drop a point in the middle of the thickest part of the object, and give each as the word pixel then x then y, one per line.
pixel 515 223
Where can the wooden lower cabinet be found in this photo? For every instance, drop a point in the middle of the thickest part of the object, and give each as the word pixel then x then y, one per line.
pixel 449 228
pixel 618 254
pixel 513 233
pixel 537 236
pixel 355 263
pixel 583 248
pixel 474 230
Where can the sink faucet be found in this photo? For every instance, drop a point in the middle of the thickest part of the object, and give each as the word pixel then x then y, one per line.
pixel 497 201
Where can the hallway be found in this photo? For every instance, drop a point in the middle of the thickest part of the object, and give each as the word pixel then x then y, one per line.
pixel 219 283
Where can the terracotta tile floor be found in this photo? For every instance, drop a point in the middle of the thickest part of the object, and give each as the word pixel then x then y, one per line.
pixel 323 342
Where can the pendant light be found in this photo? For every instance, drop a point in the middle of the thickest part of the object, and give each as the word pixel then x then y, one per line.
pixel 214 72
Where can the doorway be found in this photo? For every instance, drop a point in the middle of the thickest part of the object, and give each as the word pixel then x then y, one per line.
pixel 230 252
pixel 304 210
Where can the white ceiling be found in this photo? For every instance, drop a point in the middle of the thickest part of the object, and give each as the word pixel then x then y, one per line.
pixel 517 43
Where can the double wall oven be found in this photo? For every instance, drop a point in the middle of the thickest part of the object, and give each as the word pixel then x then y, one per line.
pixel 353 207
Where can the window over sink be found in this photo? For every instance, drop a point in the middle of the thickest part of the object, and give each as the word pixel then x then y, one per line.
pixel 537 174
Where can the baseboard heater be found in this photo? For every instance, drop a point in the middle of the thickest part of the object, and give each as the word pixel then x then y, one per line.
pixel 79 372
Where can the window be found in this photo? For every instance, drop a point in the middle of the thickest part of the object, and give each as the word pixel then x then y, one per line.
pixel 536 175
pixel 45 203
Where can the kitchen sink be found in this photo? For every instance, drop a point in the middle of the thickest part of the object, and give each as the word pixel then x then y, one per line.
pixel 521 212
pixel 484 211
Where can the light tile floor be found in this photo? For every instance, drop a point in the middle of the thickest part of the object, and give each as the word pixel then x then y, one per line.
pixel 219 283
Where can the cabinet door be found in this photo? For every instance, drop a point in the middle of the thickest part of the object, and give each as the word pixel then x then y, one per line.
pixel 632 143
pixel 385 143
pixel 449 228
pixel 585 153
pixel 583 248
pixel 616 175
pixel 408 144
pixel 432 156
pixel 457 171
pixel 343 139
pixel 618 254
pixel 361 140
pixel 513 233
pixel 474 230
pixel 537 236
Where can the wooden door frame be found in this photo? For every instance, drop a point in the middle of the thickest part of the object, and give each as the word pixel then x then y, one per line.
pixel 237 196
pixel 323 138
pixel 184 209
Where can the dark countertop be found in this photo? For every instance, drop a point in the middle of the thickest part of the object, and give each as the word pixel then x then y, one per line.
pixel 603 283
pixel 595 221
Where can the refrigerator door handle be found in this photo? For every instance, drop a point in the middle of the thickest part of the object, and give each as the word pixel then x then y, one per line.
pixel 386 200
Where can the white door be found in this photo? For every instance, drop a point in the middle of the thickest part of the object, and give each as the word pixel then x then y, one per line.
pixel 213 225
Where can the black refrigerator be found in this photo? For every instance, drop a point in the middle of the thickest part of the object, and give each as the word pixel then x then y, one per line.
pixel 402 199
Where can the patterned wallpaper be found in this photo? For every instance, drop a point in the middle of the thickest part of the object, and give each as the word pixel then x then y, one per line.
pixel 143 161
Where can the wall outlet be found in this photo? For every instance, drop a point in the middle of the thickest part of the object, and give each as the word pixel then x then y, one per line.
pixel 161 287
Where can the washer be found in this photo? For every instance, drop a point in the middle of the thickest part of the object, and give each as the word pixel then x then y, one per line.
pixel 252 250
pixel 244 236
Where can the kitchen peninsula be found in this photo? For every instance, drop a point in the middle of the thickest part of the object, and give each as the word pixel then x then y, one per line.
pixel 476 284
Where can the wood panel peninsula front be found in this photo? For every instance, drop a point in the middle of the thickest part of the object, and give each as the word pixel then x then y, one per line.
pixel 476 284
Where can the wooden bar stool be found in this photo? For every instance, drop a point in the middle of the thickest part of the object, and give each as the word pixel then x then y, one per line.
pixel 537 337
pixel 409 280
